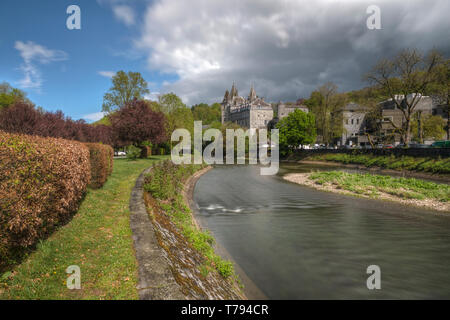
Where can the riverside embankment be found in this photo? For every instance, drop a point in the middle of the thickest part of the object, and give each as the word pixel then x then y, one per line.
pixel 198 272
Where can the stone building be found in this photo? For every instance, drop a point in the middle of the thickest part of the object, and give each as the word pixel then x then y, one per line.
pixel 250 112
pixel 392 116
pixel 283 109
pixel 354 125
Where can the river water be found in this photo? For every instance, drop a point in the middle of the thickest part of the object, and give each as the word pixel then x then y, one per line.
pixel 295 242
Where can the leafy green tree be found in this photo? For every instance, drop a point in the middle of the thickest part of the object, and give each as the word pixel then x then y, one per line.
pixel 207 114
pixel 10 95
pixel 170 102
pixel 178 115
pixel 409 74
pixel 298 128
pixel 126 87
pixel 326 103
pixel 432 127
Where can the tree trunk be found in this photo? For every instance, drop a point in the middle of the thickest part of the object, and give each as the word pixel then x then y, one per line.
pixel 408 131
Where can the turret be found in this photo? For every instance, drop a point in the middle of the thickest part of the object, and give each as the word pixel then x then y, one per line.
pixel 226 97
pixel 252 95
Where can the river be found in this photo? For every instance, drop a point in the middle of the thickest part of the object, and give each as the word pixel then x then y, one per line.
pixel 295 242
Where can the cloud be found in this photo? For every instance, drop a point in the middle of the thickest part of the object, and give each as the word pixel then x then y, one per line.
pixel 33 54
pixel 286 48
pixel 94 116
pixel 124 14
pixel 107 74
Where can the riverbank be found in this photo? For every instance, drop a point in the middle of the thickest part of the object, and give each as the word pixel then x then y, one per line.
pixel 408 191
pixel 198 270
pixel 442 178
pixel 250 290
pixel 431 165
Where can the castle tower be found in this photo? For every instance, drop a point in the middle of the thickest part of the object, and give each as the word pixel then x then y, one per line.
pixel 226 97
pixel 252 95
pixel 234 92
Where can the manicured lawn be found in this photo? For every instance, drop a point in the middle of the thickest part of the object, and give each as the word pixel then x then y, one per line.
pixel 97 239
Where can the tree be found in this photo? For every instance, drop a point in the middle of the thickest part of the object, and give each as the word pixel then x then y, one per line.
pixel 431 127
pixel 441 88
pixel 170 102
pixel 326 103
pixel 207 114
pixel 136 122
pixel 10 95
pixel 409 74
pixel 126 87
pixel 298 128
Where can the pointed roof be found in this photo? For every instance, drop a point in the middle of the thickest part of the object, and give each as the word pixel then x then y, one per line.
pixel 234 91
pixel 252 95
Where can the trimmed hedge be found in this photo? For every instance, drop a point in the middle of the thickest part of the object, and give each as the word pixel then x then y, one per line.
pixel 101 158
pixel 42 181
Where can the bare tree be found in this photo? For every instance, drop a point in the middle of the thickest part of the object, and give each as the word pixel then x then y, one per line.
pixel 405 79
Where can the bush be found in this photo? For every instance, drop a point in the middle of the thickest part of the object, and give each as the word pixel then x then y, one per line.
pixel 42 181
pixel 101 163
pixel 133 152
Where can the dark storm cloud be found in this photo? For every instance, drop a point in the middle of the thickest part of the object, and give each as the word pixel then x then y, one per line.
pixel 286 48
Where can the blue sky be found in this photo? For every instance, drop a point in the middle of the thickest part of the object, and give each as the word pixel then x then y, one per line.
pixel 198 48
pixel 70 81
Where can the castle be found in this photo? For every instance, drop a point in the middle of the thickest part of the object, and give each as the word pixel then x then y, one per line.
pixel 254 112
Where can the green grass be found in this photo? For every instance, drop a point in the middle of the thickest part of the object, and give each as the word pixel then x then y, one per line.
pixel 98 239
pixel 165 183
pixel 389 162
pixel 371 185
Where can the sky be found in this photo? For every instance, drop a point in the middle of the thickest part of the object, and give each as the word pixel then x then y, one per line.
pixel 198 48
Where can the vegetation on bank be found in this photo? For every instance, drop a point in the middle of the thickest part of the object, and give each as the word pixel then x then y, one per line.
pixel 165 183
pixel 372 185
pixel 98 239
pixel 432 165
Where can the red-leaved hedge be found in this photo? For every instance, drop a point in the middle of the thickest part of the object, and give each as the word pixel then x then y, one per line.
pixel 101 157
pixel 42 181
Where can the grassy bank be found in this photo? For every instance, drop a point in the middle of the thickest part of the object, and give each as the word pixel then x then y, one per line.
pixel 389 162
pixel 165 184
pixel 405 190
pixel 98 240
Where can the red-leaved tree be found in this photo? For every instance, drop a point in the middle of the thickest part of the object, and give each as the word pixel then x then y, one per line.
pixel 24 118
pixel 136 122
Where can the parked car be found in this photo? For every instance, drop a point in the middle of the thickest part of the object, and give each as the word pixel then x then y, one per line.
pixel 441 144
pixel 121 153
pixel 388 146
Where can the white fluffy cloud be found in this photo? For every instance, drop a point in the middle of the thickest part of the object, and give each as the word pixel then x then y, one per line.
pixel 92 117
pixel 286 48
pixel 107 74
pixel 33 54
pixel 124 14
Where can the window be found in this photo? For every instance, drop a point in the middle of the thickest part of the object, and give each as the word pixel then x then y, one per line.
pixel 346 121
pixel 357 121
pixel 352 121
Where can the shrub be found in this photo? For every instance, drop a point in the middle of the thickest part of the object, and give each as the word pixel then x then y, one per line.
pixel 133 152
pixel 42 181
pixel 101 163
